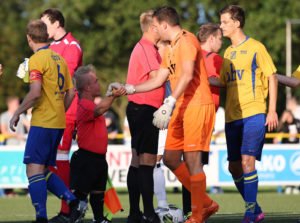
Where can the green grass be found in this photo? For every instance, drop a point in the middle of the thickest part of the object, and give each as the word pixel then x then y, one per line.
pixel 278 207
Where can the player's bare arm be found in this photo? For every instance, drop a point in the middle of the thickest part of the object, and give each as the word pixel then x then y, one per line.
pixel 69 96
pixel 1 69
pixel 106 102
pixel 184 79
pixel 215 81
pixel 153 73
pixel 163 114
pixel 160 78
pixel 272 117
pixel 288 81
pixel 28 102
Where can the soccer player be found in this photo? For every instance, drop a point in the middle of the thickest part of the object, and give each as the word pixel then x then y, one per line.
pixel 88 164
pixel 293 81
pixel 158 174
pixel 68 47
pixel 210 38
pixel 246 72
pixel 189 112
pixel 51 93
pixel 144 62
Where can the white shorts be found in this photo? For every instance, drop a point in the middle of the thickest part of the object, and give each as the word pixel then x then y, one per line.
pixel 162 137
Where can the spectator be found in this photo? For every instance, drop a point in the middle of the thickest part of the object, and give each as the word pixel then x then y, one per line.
pixel 288 124
pixel 13 138
pixel 294 107
pixel 112 125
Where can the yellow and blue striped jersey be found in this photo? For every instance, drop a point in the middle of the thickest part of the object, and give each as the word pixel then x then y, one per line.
pixel 51 69
pixel 245 71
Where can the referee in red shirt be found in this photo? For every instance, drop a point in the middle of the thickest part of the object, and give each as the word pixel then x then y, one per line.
pixel 88 164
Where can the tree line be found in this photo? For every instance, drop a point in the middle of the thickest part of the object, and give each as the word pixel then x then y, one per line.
pixel 109 29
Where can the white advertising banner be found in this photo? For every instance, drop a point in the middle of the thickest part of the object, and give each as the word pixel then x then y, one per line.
pixel 280 165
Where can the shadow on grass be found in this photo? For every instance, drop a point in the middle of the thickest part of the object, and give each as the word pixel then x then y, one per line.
pixel 224 218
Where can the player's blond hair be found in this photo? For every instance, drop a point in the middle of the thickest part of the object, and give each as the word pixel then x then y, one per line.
pixel 146 20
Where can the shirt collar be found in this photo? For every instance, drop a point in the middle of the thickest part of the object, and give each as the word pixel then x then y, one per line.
pixel 178 36
pixel 43 48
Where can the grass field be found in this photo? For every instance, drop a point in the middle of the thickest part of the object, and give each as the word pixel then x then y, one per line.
pixel 279 208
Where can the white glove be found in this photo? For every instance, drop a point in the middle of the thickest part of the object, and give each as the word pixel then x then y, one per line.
pixel 129 89
pixel 111 87
pixel 23 70
pixel 163 114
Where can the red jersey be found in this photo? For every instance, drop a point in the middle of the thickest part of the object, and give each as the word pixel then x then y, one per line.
pixel 144 59
pixel 91 130
pixel 68 47
pixel 213 63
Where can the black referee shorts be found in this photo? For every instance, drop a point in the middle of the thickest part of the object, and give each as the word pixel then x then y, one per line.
pixel 88 171
pixel 144 135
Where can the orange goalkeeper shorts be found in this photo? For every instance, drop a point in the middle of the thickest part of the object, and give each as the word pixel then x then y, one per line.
pixel 190 128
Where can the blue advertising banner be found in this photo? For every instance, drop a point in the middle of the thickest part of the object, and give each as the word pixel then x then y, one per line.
pixel 280 164
pixel 12 169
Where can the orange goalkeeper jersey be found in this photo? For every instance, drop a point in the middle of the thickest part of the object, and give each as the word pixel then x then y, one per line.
pixel 186 47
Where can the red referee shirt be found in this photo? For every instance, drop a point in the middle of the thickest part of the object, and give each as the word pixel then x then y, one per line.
pixel 91 131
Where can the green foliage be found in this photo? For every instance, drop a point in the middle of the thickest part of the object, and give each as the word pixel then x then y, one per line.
pixel 109 29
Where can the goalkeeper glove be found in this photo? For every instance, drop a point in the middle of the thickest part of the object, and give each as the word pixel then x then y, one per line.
pixel 163 114
pixel 111 87
pixel 129 89
pixel 23 70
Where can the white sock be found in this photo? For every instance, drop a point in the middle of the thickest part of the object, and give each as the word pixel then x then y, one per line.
pixel 159 187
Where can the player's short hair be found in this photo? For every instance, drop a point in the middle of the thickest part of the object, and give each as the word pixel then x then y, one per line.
pixel 146 20
pixel 206 30
pixel 80 76
pixel 37 30
pixel 167 14
pixel 54 15
pixel 236 12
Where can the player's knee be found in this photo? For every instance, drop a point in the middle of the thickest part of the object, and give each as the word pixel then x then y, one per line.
pixel 147 159
pixel 169 162
pixel 247 166
pixel 231 169
pixel 33 169
pixel 235 169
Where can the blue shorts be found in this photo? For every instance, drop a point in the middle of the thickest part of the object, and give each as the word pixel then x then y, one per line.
pixel 245 137
pixel 41 145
